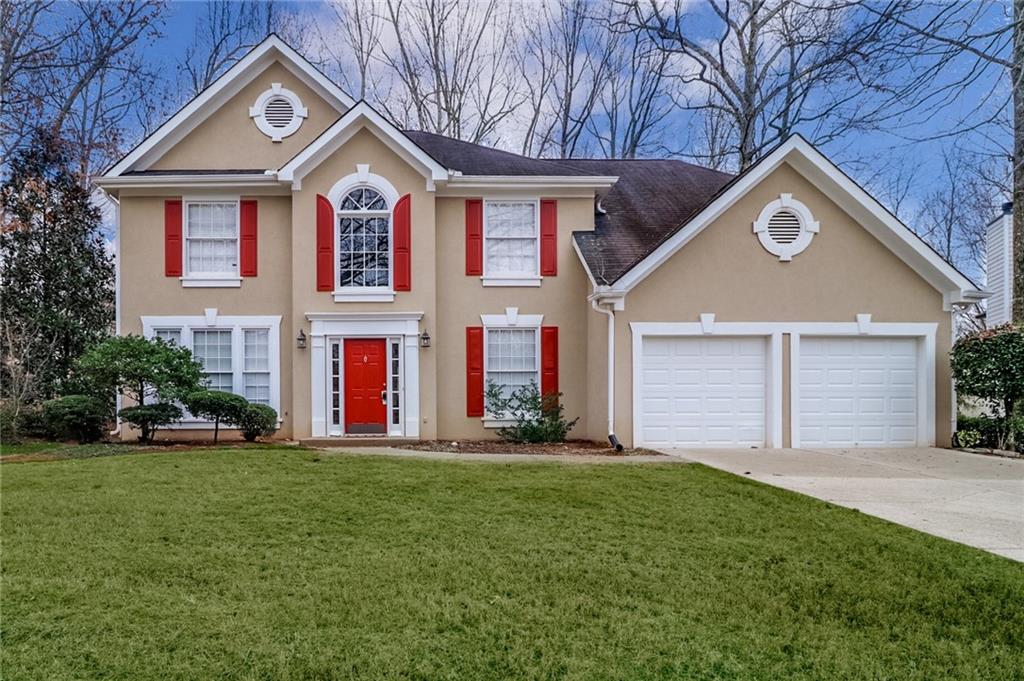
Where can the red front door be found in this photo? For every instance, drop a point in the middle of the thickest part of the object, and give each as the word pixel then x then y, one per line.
pixel 366 406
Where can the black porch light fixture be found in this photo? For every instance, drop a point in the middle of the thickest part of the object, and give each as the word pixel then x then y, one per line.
pixel 425 339
pixel 300 340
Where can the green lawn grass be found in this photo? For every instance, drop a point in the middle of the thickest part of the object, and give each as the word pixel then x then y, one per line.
pixel 285 564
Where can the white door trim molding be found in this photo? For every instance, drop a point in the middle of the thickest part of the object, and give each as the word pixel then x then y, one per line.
pixel 364 325
pixel 773 331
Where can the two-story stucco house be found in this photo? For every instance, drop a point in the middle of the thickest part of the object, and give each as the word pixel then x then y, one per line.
pixel 368 280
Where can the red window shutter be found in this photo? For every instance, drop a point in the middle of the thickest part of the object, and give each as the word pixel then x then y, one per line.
pixel 403 243
pixel 548 237
pixel 549 360
pixel 474 237
pixel 172 237
pixel 474 371
pixel 324 244
pixel 247 210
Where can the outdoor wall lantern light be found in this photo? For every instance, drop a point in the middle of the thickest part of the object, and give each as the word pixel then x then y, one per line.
pixel 425 340
pixel 300 340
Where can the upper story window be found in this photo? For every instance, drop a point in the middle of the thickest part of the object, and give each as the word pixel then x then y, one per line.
pixel 364 240
pixel 211 239
pixel 511 240
pixel 278 112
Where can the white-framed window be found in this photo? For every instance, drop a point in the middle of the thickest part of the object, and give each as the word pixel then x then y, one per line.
pixel 511 358
pixel 278 112
pixel 512 242
pixel 239 354
pixel 212 348
pixel 785 227
pixel 363 240
pixel 211 239
pixel 256 367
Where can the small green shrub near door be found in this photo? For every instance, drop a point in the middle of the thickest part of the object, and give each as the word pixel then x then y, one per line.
pixel 531 417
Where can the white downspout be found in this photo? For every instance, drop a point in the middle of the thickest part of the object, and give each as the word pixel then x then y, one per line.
pixel 117 297
pixel 611 373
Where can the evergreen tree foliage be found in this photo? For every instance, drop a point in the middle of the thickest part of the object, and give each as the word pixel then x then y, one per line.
pixel 56 277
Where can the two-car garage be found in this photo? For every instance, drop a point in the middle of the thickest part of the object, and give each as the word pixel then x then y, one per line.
pixel 727 385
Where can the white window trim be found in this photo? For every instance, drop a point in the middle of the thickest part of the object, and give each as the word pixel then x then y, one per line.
pixel 510 320
pixel 211 279
pixel 257 112
pixel 363 178
pixel 524 279
pixel 924 332
pixel 236 324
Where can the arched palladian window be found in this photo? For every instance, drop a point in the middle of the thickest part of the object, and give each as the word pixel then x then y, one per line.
pixel 364 239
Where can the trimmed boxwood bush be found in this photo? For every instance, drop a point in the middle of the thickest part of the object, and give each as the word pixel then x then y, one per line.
pixel 148 418
pixel 75 417
pixel 217 406
pixel 258 420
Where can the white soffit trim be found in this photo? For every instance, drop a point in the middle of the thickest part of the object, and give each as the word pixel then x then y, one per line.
pixel 222 89
pixel 360 116
pixel 849 196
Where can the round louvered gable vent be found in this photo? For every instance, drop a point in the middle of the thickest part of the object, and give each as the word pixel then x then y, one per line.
pixel 278 112
pixel 785 227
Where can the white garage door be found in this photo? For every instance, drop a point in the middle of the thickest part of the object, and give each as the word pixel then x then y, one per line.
pixel 699 391
pixel 858 392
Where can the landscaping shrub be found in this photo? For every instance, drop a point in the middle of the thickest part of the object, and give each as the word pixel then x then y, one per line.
pixel 535 417
pixel 75 417
pixel 258 420
pixel 148 418
pixel 8 423
pixel 989 365
pixel 217 406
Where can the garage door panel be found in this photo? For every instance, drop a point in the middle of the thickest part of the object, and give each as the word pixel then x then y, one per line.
pixel 716 391
pixel 858 392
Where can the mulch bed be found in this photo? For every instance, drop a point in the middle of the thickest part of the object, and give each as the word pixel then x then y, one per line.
pixel 568 448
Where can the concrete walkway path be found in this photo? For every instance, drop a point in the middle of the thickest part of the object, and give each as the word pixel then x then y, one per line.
pixel 503 458
pixel 970 498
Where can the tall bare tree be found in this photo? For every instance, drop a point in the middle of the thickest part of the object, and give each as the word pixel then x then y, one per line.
pixel 352 43
pixel 771 68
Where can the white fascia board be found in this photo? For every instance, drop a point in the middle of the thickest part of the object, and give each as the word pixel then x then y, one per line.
pixel 827 177
pixel 542 183
pixel 222 89
pixel 359 116
pixel 185 181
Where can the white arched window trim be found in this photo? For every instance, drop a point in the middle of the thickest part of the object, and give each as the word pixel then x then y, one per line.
pixel 808 227
pixel 364 178
pixel 257 112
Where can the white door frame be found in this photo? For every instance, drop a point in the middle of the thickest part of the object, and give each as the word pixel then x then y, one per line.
pixel 340 325
pixel 924 332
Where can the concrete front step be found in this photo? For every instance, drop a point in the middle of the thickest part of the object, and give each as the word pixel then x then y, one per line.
pixel 359 441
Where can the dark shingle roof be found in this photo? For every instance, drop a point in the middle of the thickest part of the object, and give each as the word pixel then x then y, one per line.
pixel 652 200
pixel 475 159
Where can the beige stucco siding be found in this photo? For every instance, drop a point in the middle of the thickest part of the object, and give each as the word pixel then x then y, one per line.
pixel 146 291
pixel 462 299
pixel 725 271
pixel 363 148
pixel 230 139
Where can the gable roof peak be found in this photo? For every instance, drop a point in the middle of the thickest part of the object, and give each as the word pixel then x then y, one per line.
pixel 229 83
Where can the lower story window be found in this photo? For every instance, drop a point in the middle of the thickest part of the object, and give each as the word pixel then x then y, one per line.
pixel 240 355
pixel 212 348
pixel 511 360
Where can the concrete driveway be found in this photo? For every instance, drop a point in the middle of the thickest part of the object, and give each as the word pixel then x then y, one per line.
pixel 970 498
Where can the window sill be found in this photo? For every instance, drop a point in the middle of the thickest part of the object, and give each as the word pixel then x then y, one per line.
pixel 497 422
pixel 364 296
pixel 511 281
pixel 211 282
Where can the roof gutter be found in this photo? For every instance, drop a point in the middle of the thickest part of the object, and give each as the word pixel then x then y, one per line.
pixel 185 181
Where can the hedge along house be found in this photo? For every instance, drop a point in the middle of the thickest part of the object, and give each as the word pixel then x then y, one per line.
pixel 367 280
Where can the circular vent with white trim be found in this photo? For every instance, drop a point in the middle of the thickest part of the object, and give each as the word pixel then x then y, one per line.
pixel 785 227
pixel 278 112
